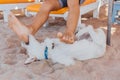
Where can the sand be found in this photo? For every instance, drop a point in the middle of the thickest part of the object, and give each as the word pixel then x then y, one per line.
pixel 12 55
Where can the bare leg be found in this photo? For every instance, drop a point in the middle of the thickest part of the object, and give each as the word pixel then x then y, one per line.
pixel 18 28
pixel 43 14
pixel 72 21
pixel 22 31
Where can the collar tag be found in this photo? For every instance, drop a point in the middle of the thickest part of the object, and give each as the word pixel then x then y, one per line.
pixel 46 52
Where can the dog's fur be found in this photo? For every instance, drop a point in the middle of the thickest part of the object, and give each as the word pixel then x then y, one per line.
pixel 92 45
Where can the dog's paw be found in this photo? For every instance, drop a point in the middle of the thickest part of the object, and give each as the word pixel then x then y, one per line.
pixel 30 60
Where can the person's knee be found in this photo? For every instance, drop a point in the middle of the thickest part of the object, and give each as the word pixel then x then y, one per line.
pixel 72 4
pixel 50 5
pixel 47 6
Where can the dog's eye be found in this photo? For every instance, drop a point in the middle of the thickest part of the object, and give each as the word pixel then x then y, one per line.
pixel 53 45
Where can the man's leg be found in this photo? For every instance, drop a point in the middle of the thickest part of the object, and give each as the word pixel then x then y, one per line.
pixel 23 31
pixel 43 14
pixel 72 21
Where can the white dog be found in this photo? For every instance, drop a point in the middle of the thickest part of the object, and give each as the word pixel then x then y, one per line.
pixel 90 44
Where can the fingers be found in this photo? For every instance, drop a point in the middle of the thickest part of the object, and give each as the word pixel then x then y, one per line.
pixel 67 37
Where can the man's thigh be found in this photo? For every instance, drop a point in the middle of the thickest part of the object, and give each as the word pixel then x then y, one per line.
pixel 53 4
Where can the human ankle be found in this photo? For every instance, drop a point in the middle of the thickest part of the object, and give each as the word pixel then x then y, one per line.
pixel 24 37
pixel 69 31
pixel 30 29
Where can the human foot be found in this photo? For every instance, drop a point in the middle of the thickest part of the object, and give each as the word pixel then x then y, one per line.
pixel 67 37
pixel 21 30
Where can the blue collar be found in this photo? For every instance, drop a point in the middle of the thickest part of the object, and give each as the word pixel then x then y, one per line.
pixel 46 52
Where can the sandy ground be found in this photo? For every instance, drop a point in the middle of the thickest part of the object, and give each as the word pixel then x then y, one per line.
pixel 12 55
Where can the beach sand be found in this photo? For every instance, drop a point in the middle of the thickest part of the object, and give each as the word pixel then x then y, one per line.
pixel 12 55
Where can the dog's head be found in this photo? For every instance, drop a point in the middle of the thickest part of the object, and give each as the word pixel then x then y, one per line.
pixel 34 49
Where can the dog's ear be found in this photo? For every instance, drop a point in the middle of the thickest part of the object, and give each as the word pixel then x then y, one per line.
pixel 30 60
pixel 24 45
